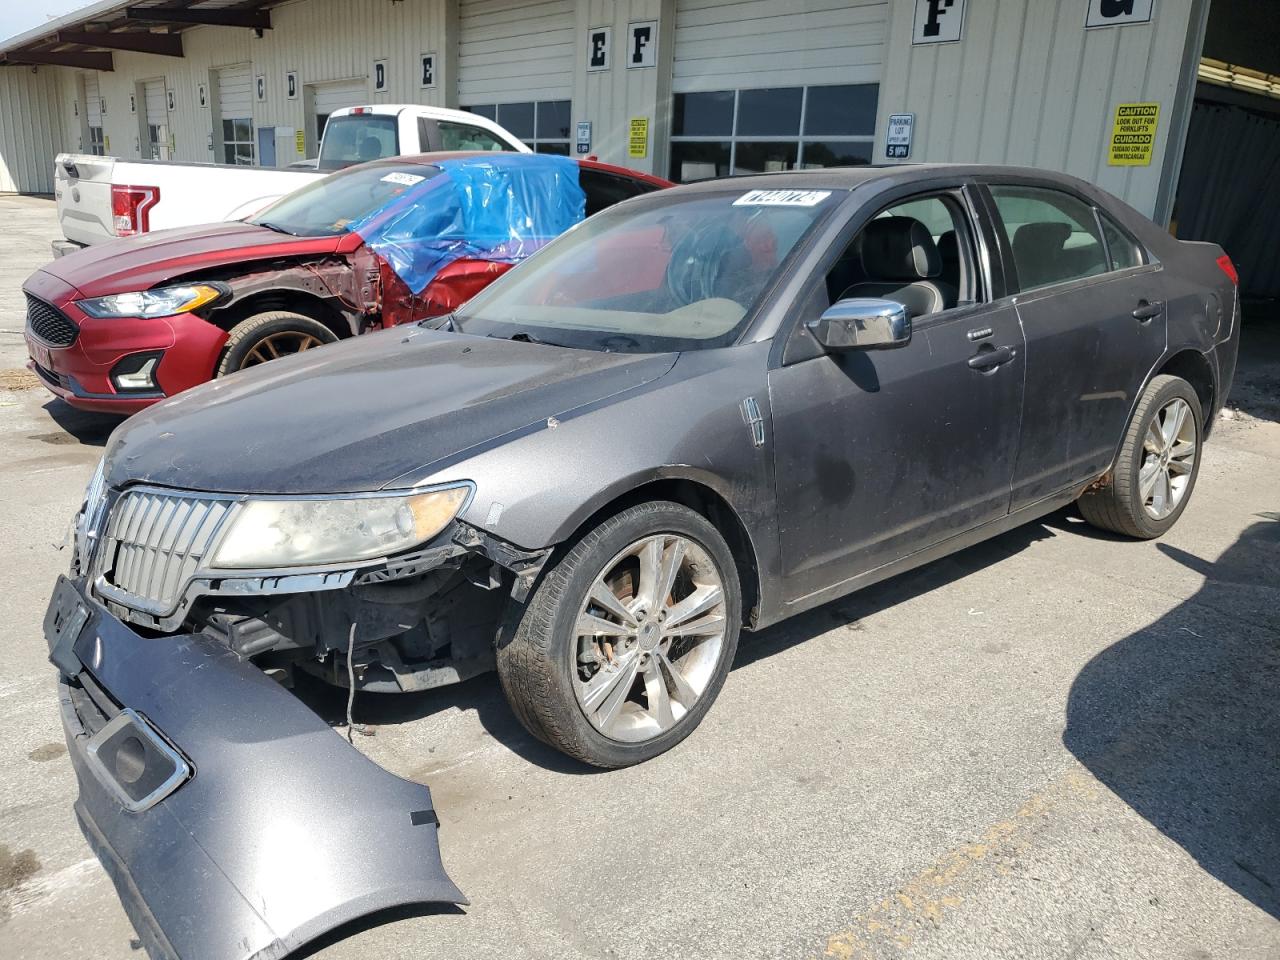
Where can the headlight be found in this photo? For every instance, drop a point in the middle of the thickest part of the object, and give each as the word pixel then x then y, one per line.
pixel 86 520
pixel 291 533
pixel 161 302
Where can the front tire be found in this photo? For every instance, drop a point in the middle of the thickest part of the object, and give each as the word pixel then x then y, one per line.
pixel 626 641
pixel 1157 467
pixel 269 336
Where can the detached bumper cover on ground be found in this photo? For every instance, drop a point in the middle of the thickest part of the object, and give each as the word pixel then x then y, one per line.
pixel 280 832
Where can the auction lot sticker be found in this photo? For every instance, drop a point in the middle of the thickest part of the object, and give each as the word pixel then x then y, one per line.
pixel 782 198
pixel 1133 135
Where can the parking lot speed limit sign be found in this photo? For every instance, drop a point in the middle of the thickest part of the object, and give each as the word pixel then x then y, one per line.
pixel 897 141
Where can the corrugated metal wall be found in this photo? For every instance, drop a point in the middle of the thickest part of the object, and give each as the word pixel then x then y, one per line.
pixel 323 40
pixel 30 128
pixel 764 43
pixel 1028 84
pixel 611 98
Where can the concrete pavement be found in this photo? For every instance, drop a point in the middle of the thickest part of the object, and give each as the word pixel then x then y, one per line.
pixel 1054 744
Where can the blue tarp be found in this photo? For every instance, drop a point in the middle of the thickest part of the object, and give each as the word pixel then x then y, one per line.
pixel 500 208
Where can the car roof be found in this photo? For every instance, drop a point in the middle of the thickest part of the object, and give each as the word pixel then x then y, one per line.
pixel 847 178
pixel 428 159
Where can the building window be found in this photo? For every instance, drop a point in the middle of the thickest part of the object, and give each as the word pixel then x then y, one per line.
pixel 97 145
pixel 237 141
pixel 542 125
pixel 726 132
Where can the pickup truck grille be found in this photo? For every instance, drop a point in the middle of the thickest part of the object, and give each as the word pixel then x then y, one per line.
pixel 49 324
pixel 155 542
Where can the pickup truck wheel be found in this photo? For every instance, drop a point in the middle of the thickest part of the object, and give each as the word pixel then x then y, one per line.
pixel 269 336
pixel 626 641
pixel 1157 467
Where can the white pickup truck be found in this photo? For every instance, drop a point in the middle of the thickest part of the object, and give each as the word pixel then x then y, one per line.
pixel 100 198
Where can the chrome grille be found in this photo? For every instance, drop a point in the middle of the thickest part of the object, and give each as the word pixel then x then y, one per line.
pixel 49 324
pixel 155 542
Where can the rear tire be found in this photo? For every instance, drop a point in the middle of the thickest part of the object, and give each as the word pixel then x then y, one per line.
pixel 269 336
pixel 1158 464
pixel 619 682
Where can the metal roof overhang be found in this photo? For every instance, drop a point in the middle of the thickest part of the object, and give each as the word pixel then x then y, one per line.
pixel 86 38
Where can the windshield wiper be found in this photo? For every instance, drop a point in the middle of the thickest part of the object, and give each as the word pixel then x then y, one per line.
pixel 273 226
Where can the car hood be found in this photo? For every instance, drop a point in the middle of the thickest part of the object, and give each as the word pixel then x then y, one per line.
pixel 136 263
pixel 365 414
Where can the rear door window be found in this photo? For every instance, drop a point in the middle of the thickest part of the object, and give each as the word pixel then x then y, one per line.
pixel 1053 235
pixel 358 138
pixel 1124 251
pixel 464 136
pixel 605 189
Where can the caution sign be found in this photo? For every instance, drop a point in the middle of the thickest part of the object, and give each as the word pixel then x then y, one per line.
pixel 1133 136
pixel 300 142
pixel 638 141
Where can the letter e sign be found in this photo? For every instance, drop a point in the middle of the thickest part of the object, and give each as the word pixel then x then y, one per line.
pixel 1111 13
pixel 598 48
pixel 642 45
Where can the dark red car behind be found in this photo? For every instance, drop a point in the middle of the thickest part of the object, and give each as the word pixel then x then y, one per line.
pixel 123 324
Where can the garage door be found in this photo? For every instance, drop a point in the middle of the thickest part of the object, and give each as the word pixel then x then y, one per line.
pixel 513 50
pixel 328 97
pixel 763 43
pixel 515 66
pixel 235 107
pixel 93 114
pixel 157 119
pixel 761 86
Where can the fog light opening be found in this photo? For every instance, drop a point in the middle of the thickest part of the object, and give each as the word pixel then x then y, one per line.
pixel 136 373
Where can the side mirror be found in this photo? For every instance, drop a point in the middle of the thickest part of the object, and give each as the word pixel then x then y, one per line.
pixel 862 323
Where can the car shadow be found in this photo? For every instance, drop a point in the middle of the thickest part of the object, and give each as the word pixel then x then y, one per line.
pixel 1255 391
pixel 88 428
pixel 484 696
pixel 1179 719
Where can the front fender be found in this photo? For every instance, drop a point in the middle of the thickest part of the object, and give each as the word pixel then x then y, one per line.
pixel 537 489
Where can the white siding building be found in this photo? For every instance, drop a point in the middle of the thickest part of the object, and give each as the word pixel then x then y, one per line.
pixel 682 88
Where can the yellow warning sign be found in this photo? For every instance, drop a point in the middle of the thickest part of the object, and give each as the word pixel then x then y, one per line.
pixel 638 141
pixel 300 142
pixel 1133 136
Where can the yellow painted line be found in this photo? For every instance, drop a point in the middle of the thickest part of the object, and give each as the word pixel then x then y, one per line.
pixel 924 902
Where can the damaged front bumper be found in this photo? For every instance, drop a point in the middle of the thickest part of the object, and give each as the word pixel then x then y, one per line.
pixel 234 823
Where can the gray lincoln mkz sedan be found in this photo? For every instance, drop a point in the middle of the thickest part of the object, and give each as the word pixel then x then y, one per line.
pixel 704 409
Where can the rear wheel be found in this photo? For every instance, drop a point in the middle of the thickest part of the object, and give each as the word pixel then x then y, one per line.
pixel 1157 467
pixel 623 646
pixel 269 336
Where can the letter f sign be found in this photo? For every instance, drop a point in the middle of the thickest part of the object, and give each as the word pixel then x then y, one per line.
pixel 933 23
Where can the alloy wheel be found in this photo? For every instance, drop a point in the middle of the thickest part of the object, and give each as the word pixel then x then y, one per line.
pixel 276 345
pixel 648 637
pixel 1168 459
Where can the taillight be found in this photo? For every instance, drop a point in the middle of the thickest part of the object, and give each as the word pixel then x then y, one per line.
pixel 1229 268
pixel 131 208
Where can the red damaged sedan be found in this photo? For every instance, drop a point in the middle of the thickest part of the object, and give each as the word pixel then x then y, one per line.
pixel 120 325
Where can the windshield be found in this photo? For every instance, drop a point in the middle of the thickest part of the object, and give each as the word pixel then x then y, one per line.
pixel 331 205
pixel 662 273
pixel 358 138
